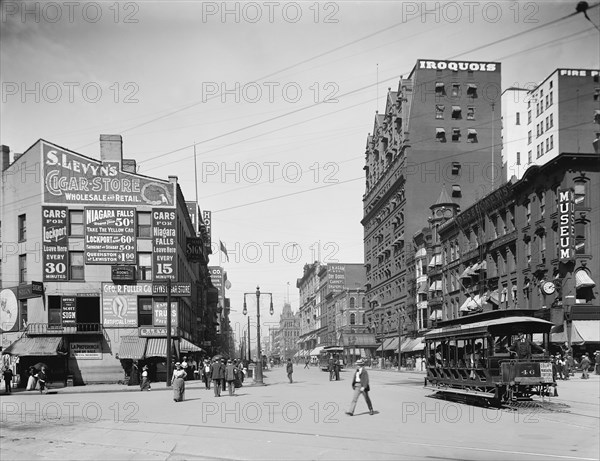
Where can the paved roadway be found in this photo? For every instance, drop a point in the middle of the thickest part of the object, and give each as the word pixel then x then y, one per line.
pixel 300 421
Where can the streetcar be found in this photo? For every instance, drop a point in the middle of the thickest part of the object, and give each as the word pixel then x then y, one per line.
pixel 497 357
pixel 333 352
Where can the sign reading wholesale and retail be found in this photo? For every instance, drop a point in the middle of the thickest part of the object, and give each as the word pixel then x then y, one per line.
pixel 336 275
pixel 119 303
pixel 164 240
pixel 71 178
pixel 55 250
pixel 110 235
pixel 566 225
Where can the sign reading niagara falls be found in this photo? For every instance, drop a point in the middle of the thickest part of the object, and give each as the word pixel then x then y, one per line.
pixel 110 235
pixel 73 178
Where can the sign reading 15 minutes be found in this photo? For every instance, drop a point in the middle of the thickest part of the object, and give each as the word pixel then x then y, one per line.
pixel 110 235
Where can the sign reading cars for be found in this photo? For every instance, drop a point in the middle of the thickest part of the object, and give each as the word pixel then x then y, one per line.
pixel 164 249
pixel 55 251
pixel 110 235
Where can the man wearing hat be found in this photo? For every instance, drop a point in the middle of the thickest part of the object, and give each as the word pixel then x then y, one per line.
pixel 216 372
pixel 145 384
pixel 360 385
pixel 597 360
pixel 585 365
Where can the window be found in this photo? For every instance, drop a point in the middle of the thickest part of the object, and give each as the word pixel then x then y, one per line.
pixel 456 113
pixel 54 310
pixel 541 127
pixel 439 89
pixel 352 303
pixel 550 99
pixel 455 168
pixel 352 319
pixel 76 266
pixel 528 212
pixel 440 135
pixel 470 113
pixel 518 158
pixel 529 137
pixel 528 251
pixel 144 311
pixel 456 192
pixel 439 111
pixel 144 224
pixel 455 134
pixel 472 90
pixel 22 314
pixel 144 271
pixel 518 118
pixel 22 268
pixel 579 195
pixel 471 135
pixel 528 117
pixel 22 228
pixel 455 90
pixel 547 144
pixel 596 94
pixel 551 120
pixel 529 157
pixel 542 198
pixel 75 222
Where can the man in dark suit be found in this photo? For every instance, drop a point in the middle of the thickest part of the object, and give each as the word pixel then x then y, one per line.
pixel 360 385
pixel 216 375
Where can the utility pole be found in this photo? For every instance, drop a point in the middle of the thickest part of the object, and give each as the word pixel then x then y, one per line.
pixel 169 332
pixel 259 372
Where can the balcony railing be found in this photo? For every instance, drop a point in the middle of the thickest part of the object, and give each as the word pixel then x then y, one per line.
pixel 58 329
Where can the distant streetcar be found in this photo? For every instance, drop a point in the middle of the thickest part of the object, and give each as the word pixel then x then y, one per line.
pixel 334 352
pixel 491 357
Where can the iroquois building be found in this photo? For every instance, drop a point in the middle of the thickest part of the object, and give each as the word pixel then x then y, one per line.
pixel 88 247
pixel 441 128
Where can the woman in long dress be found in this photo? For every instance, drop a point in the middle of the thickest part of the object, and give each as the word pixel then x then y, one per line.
pixel 145 384
pixel 178 383
pixel 32 381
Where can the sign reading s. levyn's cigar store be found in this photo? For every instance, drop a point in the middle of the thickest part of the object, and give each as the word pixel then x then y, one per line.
pixel 74 178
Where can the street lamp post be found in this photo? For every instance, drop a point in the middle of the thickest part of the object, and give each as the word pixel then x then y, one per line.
pixel 259 374
pixel 399 340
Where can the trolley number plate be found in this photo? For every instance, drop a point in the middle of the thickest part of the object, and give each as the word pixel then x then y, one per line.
pixel 546 372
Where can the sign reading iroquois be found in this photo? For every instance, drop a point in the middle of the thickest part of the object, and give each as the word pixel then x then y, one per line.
pixel 566 225
pixel 110 235
pixel 73 178
pixel 54 243
pixel 164 244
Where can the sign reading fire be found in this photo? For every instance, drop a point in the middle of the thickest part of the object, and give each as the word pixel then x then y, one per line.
pixel 74 178
pixel 110 235
pixel 566 225
pixel 54 243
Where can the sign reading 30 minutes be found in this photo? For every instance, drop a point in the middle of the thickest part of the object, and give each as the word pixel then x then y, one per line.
pixel 110 235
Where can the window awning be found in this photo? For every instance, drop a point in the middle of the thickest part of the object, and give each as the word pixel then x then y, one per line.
pixel 132 347
pixel 436 315
pixel 440 107
pixel 439 85
pixel 483 265
pixel 472 132
pixel 471 303
pixel 440 131
pixel 456 109
pixel 436 286
pixel 582 331
pixel 390 344
pixel 186 346
pixel 472 271
pixel 317 350
pixel 472 86
pixel 465 274
pixel 157 347
pixel 422 252
pixel 494 297
pixel 41 346
pixel 422 290
pixel 583 280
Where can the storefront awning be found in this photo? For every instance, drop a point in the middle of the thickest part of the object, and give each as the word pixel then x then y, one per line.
pixel 582 332
pixel 418 344
pixel 317 350
pixel 583 280
pixel 157 347
pixel 37 347
pixel 188 347
pixel 132 348
pixel 390 344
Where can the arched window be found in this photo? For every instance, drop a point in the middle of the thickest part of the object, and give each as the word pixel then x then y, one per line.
pixel 352 319
pixel 364 318
pixel 352 303
pixel 363 304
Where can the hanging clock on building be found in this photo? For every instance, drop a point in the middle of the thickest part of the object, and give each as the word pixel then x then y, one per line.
pixel 548 288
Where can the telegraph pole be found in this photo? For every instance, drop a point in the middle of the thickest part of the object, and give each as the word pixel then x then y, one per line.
pixel 168 332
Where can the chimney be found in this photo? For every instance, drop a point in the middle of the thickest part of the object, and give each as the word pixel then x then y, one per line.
pixel 5 160
pixel 111 148
pixel 129 165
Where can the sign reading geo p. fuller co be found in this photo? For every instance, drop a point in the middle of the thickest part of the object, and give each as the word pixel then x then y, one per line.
pixel 55 250
pixel 120 303
pixel 74 178
pixel 110 235
pixel 566 225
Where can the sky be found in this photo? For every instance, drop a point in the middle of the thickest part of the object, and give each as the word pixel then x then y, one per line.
pixel 277 97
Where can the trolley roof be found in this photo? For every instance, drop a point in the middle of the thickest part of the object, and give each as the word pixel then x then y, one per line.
pixel 506 325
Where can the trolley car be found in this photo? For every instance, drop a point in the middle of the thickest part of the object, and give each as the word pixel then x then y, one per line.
pixel 329 352
pixel 491 357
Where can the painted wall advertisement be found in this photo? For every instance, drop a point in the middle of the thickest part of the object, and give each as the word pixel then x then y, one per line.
pixel 216 278
pixel 68 306
pixel 86 351
pixel 74 178
pixel 9 313
pixel 164 240
pixel 110 235
pixel 119 303
pixel 55 249
pixel 159 313
pixel 336 274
